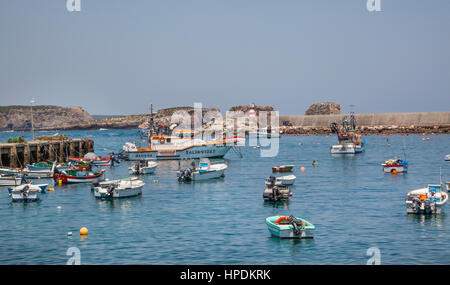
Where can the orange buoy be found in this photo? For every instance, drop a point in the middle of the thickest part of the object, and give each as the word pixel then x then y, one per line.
pixel 282 218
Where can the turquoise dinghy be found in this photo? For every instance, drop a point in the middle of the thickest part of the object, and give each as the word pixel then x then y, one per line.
pixel 290 227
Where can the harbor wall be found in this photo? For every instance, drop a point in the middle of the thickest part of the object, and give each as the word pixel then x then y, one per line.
pixel 17 155
pixel 373 120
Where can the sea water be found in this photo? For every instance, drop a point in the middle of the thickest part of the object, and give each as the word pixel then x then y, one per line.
pixel 352 203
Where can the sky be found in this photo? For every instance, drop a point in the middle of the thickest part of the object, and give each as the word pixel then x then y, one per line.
pixel 116 56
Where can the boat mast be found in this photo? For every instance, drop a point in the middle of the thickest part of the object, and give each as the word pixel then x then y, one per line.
pixel 32 120
pixel 150 127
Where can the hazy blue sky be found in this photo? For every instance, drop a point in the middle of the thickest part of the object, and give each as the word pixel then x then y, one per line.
pixel 114 57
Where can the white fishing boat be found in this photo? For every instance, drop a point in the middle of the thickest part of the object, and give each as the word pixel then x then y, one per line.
pixel 349 142
pixel 25 193
pixel 143 167
pixel 283 180
pixel 276 192
pixel 121 189
pixel 175 143
pixel 205 171
pixel 9 180
pixel 428 200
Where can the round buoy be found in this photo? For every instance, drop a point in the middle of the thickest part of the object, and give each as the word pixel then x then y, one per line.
pixel 394 171
pixel 59 207
pixel 59 182
pixel 83 231
pixel 428 139
pixel 302 169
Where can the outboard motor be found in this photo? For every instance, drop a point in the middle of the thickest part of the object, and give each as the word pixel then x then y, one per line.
pixel 109 190
pixel 296 224
pixel 428 209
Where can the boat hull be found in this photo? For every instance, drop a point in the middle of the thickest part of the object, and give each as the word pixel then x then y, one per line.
pixel 142 170
pixel 10 181
pixel 122 193
pixel 398 168
pixel 346 149
pixel 193 152
pixel 78 179
pixel 199 176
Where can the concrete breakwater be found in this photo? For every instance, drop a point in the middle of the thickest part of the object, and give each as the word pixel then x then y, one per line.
pixel 15 155
pixel 420 122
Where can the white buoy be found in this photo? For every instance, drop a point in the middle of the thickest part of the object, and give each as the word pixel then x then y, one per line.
pixel 59 207
pixel 69 234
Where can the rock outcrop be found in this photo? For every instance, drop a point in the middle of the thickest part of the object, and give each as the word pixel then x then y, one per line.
pixel 324 108
pixel 19 117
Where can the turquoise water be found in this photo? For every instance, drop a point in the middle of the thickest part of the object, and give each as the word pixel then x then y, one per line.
pixel 352 203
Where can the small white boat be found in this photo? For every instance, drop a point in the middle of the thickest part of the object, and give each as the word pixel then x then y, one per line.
pixel 428 200
pixel 143 167
pixel 290 227
pixel 8 180
pixel 121 189
pixel 448 186
pixel 447 157
pixel 276 192
pixel 285 180
pixel 25 193
pixel 205 171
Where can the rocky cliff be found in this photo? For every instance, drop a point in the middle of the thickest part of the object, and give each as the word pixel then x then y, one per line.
pixel 19 117
pixel 324 108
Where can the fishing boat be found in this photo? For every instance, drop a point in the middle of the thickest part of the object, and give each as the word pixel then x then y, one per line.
pixel 282 168
pixel 276 192
pixel 120 189
pixel 287 180
pixel 428 200
pixel 10 180
pixel 143 167
pixel 42 166
pixel 290 227
pixel 349 142
pixel 171 143
pixel 25 193
pixel 77 176
pixel 205 171
pixel 395 165
pixel 92 159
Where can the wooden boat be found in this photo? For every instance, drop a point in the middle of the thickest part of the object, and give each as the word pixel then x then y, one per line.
pixel 42 166
pixel 143 167
pixel 276 192
pixel 395 165
pixel 120 189
pixel 25 193
pixel 10 180
pixel 290 227
pixel 205 171
pixel 428 200
pixel 77 176
pixel 282 168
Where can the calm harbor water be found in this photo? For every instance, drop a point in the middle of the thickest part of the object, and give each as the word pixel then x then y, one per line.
pixel 352 203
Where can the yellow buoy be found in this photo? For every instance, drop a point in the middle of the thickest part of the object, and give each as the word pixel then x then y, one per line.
pixel 59 182
pixel 83 231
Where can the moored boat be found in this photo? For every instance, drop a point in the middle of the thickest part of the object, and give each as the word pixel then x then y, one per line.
pixel 282 168
pixel 77 176
pixel 447 157
pixel 349 142
pixel 427 200
pixel 290 227
pixel 120 189
pixel 276 192
pixel 25 193
pixel 395 165
pixel 143 167
pixel 205 171
pixel 10 180
pixel 284 180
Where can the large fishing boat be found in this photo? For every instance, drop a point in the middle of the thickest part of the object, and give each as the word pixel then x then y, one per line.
pixel 174 143
pixel 349 142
